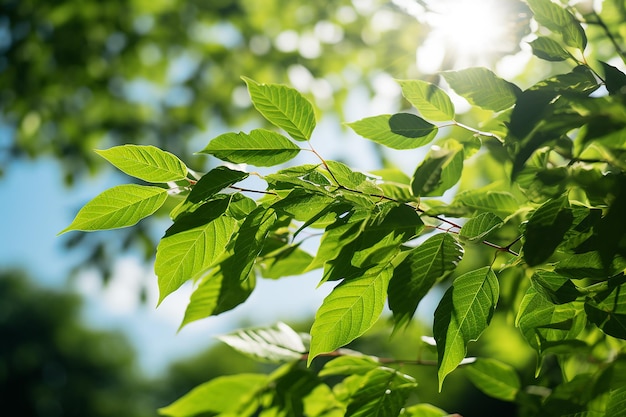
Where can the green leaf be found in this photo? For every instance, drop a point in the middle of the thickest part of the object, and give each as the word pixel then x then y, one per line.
pixel 607 310
pixel 555 287
pixel 616 404
pixel 383 393
pixel 477 228
pixel 284 107
pixel 275 344
pixel 463 313
pixel 545 230
pixel 501 203
pixel 412 126
pixel 424 410
pixel 546 325
pixel 120 206
pixel 494 378
pixel 349 365
pixel 288 261
pixel 353 180
pixel 224 394
pixel 432 102
pixel 147 163
pixel 559 20
pixel 482 88
pixel 418 272
pixel 378 129
pixel 220 290
pixel 207 187
pixel 549 50
pixel 439 171
pixel 191 245
pixel 349 311
pixel 261 147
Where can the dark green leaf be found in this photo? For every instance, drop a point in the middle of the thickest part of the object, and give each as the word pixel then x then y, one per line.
pixel 382 393
pixel 288 261
pixel 418 272
pixel 439 171
pixel 412 126
pixel 462 315
pixel 548 49
pixel 482 88
pixel 545 230
pixel 615 79
pixel 607 310
pixel 555 287
pixel 260 147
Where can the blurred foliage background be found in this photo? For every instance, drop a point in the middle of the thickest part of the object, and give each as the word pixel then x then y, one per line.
pixel 79 75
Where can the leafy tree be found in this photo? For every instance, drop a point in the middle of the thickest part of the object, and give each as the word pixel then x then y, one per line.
pixel 52 365
pixel 515 216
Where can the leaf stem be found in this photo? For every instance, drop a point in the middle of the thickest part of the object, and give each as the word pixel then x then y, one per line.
pixel 478 132
pixel 609 34
pixel 233 187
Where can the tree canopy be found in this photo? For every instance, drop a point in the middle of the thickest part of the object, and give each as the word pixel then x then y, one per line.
pixel 514 216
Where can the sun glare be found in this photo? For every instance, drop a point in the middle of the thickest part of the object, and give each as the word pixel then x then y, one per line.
pixel 469 27
pixel 465 30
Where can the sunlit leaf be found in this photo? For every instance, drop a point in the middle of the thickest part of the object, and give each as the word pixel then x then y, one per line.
pixel 480 226
pixel 349 311
pixel 616 404
pixel 148 163
pixel 482 88
pixel 275 344
pixel 288 261
pixel 418 272
pixel 191 245
pixel 559 20
pixel 463 313
pixel 501 203
pixel 494 378
pixel 260 147
pixel 377 129
pixel 432 102
pixel 284 107
pixel 120 206
pixel 424 410
pixel 224 394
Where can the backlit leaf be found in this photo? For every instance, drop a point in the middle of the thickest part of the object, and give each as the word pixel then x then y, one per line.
pixel 224 394
pixel 482 88
pixel 120 206
pixel 545 230
pixel 480 226
pixel 260 147
pixel 275 344
pixel 349 311
pixel 556 18
pixel 607 310
pixel 501 203
pixel 432 102
pixel 463 313
pixel 188 249
pixel 349 365
pixel 418 272
pixel 377 129
pixel 284 107
pixel 439 171
pixel 494 378
pixel 147 163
